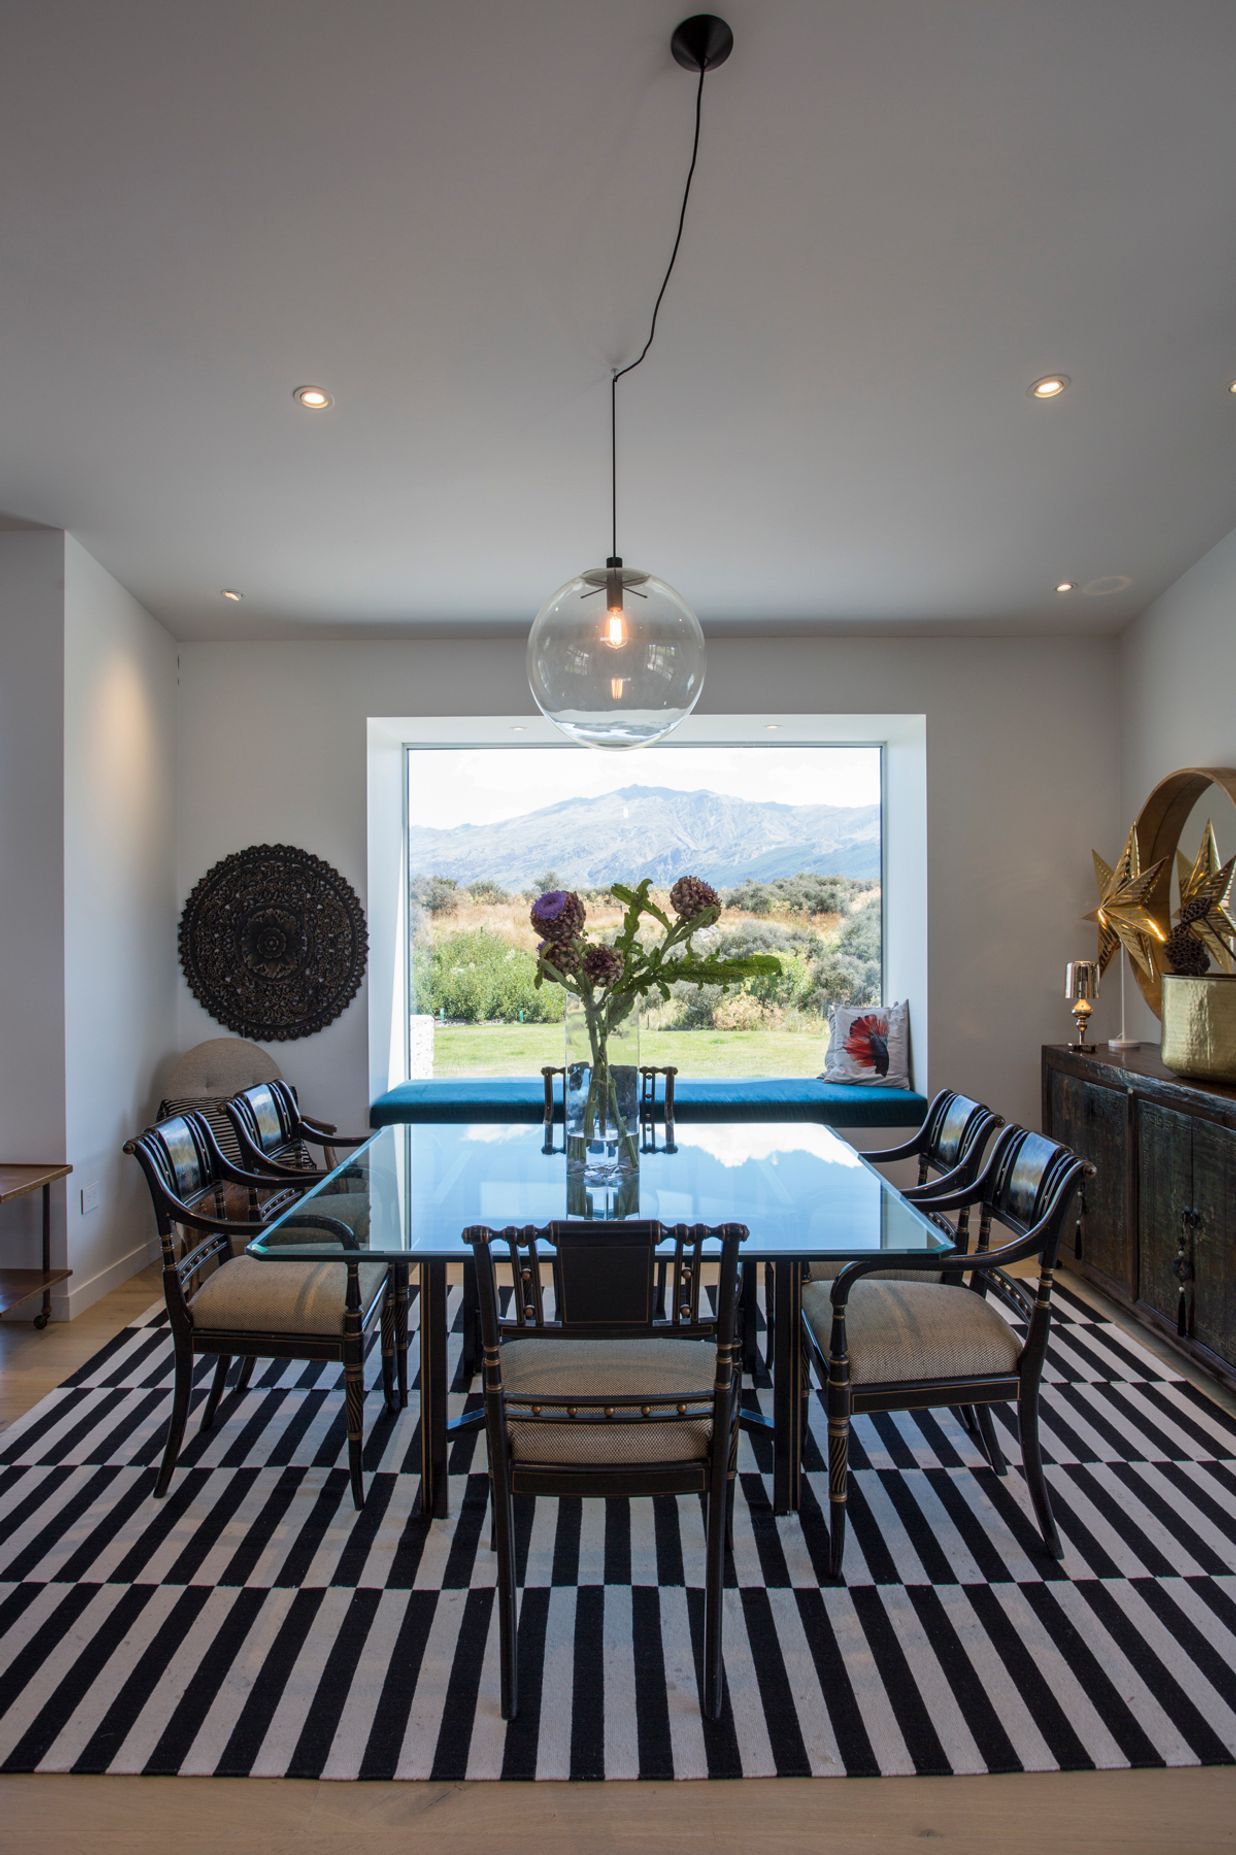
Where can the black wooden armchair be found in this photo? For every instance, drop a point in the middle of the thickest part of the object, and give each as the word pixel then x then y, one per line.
pixel 949 1147
pixel 603 1396
pixel 273 1132
pixel 231 1306
pixel 917 1343
pixel 652 1112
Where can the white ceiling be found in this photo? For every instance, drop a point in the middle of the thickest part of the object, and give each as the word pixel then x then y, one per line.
pixel 456 216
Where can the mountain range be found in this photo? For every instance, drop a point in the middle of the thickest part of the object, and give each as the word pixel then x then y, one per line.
pixel 658 832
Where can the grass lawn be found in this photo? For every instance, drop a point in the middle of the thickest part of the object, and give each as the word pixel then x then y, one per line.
pixel 521 1049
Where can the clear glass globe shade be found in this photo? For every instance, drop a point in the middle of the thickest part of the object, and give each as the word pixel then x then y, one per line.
pixel 616 674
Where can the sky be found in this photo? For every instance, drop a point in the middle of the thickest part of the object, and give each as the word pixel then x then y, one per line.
pixel 480 785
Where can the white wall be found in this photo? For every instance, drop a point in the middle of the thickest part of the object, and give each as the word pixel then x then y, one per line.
pixel 32 1103
pixel 1178 696
pixel 88 901
pixel 273 749
pixel 120 909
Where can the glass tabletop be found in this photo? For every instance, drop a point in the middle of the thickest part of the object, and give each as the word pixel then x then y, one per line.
pixel 409 1193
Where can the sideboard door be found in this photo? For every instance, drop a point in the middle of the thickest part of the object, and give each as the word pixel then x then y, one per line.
pixel 1164 1199
pixel 1214 1247
pixel 1093 1119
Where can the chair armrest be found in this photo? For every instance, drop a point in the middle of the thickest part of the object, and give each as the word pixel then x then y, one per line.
pixel 179 1213
pixel 909 1149
pixel 317 1220
pixel 321 1127
pixel 321 1134
pixel 926 1194
pixel 280 1171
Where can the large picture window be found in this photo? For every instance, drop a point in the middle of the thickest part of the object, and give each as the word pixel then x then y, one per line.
pixel 791 837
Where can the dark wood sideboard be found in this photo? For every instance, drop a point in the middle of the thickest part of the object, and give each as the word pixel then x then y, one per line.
pixel 1157 1228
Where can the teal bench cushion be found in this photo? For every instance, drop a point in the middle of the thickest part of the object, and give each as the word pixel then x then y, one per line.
pixel 789 1098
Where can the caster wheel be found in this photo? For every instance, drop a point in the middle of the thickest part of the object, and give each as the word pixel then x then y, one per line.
pixel 41 1320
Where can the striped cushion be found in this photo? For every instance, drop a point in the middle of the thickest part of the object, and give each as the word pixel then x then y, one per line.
pixel 212 1108
pixel 559 1369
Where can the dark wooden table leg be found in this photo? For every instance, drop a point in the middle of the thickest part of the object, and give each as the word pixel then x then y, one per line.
pixel 43 1316
pixel 401 1332
pixel 787 1374
pixel 749 1316
pixel 432 1504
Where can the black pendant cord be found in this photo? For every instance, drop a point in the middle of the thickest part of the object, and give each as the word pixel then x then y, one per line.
pixel 632 365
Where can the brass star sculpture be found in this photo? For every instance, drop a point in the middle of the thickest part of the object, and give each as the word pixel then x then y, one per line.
pixel 1205 894
pixel 1122 915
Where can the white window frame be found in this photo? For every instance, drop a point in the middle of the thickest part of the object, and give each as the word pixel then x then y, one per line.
pixel 903 844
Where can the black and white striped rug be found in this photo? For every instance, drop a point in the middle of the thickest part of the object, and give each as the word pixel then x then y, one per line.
pixel 252 1623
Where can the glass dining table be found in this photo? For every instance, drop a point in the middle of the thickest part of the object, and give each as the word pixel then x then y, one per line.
pixel 407 1195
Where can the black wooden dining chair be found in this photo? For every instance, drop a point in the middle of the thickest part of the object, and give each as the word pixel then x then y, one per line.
pixel 605 1397
pixel 652 1111
pixel 231 1306
pixel 949 1146
pixel 916 1343
pixel 272 1131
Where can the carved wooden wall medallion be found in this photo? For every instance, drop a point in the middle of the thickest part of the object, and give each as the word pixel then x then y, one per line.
pixel 273 942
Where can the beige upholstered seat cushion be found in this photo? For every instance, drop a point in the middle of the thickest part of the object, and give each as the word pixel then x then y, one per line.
pixel 910 1330
pixel 616 1368
pixel 350 1208
pixel 828 1268
pixel 248 1296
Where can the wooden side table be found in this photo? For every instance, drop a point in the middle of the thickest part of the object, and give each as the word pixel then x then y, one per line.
pixel 17 1285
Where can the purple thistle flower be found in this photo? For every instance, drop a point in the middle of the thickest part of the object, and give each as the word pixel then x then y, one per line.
pixel 603 965
pixel 558 915
pixel 691 895
pixel 562 955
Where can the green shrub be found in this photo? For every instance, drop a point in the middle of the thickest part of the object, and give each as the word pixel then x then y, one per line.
pixel 738 1011
pixel 477 977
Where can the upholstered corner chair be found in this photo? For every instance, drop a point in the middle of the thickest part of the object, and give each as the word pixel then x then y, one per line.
pixel 204 1078
pixel 933 1335
pixel 604 1396
pixel 226 1305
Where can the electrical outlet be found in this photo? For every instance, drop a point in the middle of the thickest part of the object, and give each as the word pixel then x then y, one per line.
pixel 90 1197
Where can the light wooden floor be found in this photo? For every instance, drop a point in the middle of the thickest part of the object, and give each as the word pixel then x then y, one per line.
pixel 1072 1813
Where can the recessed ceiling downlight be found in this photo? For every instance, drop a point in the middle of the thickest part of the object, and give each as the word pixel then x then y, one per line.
pixel 313 398
pixel 1051 386
pixel 231 595
pixel 1231 386
pixel 1066 586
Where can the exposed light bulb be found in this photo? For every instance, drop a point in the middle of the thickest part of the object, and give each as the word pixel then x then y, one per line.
pixel 614 630
pixel 616 686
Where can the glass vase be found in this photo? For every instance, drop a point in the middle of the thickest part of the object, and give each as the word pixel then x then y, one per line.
pixel 602 1088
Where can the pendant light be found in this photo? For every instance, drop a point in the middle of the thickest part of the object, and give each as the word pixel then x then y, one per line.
pixel 615 656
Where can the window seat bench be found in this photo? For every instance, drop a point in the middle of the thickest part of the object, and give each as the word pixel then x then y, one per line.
pixel 706 1098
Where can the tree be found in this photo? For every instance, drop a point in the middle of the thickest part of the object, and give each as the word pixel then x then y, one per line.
pixel 544 883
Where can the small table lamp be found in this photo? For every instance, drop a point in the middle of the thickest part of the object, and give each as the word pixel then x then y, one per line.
pixel 1081 985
